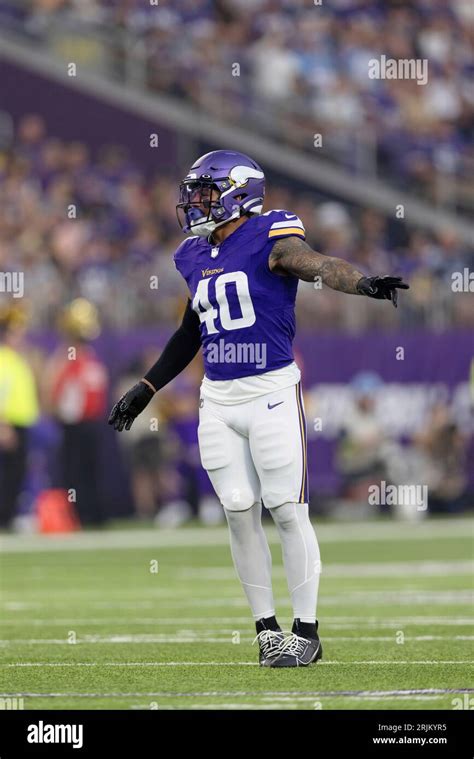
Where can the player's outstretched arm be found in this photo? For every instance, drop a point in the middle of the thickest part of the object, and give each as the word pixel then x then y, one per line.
pixel 293 256
pixel 178 352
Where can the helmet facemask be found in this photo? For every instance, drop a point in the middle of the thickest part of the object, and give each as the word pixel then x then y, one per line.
pixel 199 210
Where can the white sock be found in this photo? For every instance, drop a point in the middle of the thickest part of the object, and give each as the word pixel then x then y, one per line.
pixel 300 556
pixel 252 558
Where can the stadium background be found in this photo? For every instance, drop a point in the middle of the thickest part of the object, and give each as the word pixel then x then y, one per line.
pixel 265 77
pixel 134 617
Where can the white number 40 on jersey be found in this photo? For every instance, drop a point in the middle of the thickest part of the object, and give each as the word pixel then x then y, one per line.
pixel 208 312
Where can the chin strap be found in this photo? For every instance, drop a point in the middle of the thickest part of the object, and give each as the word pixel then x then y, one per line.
pixel 217 225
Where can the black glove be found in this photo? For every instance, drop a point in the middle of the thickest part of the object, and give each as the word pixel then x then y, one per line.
pixel 382 287
pixel 130 405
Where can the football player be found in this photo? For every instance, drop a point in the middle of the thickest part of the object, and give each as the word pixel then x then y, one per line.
pixel 242 268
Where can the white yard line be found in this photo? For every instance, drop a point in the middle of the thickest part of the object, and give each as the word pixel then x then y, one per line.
pixel 226 639
pixel 276 703
pixel 226 706
pixel 375 662
pixel 49 605
pixel 218 536
pixel 401 621
pixel 408 596
pixel 371 569
pixel 336 623
pixel 301 695
pixel 164 598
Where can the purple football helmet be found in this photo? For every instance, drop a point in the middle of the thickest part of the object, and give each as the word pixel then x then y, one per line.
pixel 220 186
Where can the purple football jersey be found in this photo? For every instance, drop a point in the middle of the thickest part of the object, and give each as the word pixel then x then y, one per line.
pixel 247 312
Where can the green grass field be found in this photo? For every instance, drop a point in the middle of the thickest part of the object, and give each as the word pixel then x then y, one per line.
pixel 394 611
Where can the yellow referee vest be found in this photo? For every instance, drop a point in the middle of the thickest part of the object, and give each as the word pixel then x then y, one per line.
pixel 18 398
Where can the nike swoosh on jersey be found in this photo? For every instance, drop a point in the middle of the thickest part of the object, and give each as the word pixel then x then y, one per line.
pixel 274 405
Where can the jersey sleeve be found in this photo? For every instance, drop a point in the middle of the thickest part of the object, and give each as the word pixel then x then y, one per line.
pixel 180 258
pixel 284 224
pixel 185 257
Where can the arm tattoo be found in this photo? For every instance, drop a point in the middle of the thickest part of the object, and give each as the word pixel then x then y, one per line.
pixel 293 256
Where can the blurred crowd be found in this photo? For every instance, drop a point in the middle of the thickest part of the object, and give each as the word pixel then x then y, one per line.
pixel 62 466
pixel 97 226
pixel 436 456
pixel 294 68
pixel 89 230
